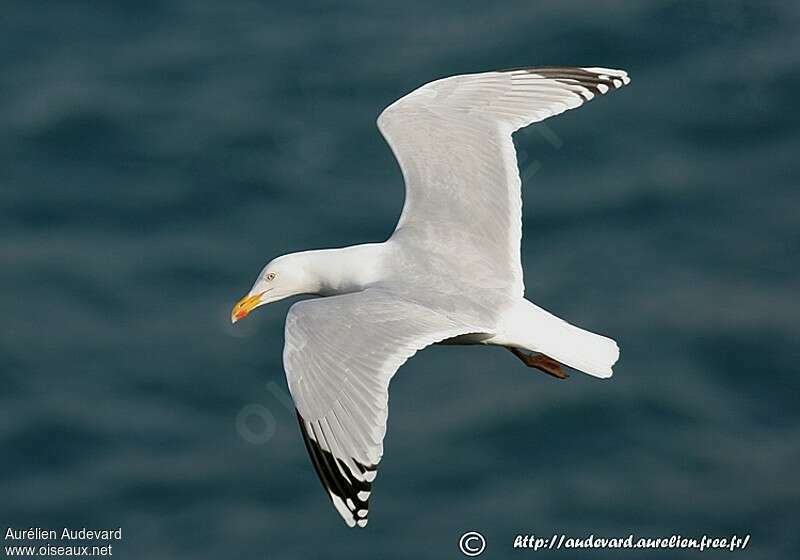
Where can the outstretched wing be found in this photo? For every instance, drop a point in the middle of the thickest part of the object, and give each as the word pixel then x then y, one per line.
pixel 452 139
pixel 340 354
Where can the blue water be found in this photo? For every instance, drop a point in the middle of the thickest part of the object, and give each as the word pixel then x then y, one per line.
pixel 155 154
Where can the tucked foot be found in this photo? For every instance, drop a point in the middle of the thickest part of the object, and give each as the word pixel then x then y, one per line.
pixel 541 362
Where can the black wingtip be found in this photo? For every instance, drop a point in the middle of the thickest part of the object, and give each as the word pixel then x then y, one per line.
pixel 349 493
pixel 597 80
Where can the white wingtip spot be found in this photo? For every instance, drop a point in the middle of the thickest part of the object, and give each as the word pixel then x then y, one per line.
pixel 362 513
pixel 363 495
pixel 343 511
pixel 602 88
pixel 370 476
pixel 362 522
pixel 617 83
pixel 610 73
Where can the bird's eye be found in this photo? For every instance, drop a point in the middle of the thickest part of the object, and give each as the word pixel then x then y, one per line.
pixel 270 277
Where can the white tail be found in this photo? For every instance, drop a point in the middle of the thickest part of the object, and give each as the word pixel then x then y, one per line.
pixel 532 328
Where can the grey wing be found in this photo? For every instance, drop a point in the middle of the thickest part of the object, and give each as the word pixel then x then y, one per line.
pixel 452 139
pixel 340 354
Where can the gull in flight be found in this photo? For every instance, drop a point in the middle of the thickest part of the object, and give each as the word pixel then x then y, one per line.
pixel 450 273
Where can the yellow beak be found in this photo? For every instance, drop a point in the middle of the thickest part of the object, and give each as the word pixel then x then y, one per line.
pixel 245 306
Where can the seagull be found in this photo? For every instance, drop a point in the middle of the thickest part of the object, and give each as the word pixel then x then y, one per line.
pixel 450 273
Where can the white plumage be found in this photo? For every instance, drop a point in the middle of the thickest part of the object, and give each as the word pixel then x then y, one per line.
pixel 450 272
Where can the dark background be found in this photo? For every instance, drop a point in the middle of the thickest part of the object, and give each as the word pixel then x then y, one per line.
pixel 154 155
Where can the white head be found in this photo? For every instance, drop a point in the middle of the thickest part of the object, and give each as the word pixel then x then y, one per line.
pixel 283 277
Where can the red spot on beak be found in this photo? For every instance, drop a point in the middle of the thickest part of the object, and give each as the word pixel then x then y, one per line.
pixel 245 306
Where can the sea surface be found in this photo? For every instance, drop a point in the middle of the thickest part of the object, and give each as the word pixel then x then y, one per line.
pixel 154 155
